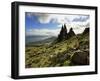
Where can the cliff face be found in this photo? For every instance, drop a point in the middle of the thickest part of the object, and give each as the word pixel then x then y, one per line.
pixel 64 35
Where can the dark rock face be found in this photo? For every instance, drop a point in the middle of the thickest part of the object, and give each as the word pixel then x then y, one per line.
pixel 86 31
pixel 71 33
pixel 81 58
pixel 64 35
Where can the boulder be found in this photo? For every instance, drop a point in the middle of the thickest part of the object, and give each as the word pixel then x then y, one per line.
pixel 80 58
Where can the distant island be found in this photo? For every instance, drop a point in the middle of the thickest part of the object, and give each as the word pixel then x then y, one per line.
pixel 67 49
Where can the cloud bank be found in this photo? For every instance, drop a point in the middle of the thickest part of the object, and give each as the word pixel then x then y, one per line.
pixel 43 32
pixel 77 22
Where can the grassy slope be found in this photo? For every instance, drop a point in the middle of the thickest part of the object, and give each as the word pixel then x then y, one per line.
pixel 56 54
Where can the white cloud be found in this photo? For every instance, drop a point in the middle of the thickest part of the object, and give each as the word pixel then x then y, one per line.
pixel 42 32
pixel 55 18
pixel 58 18
pixel 81 18
pixel 61 19
pixel 77 22
pixel 54 32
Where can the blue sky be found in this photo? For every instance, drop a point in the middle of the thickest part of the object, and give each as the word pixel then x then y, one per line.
pixel 33 22
pixel 50 24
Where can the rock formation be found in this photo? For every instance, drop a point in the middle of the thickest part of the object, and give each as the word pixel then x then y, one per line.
pixel 86 31
pixel 64 35
pixel 71 33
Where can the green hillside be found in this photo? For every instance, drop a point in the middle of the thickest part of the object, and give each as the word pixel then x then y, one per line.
pixel 71 52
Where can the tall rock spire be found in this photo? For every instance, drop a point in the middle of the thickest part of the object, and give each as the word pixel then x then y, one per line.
pixel 65 29
pixel 63 33
pixel 71 33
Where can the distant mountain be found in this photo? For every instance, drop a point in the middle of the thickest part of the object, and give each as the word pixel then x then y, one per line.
pixel 35 38
pixel 40 42
pixel 48 40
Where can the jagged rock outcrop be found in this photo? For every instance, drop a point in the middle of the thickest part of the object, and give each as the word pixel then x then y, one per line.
pixel 71 33
pixel 86 31
pixel 64 35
